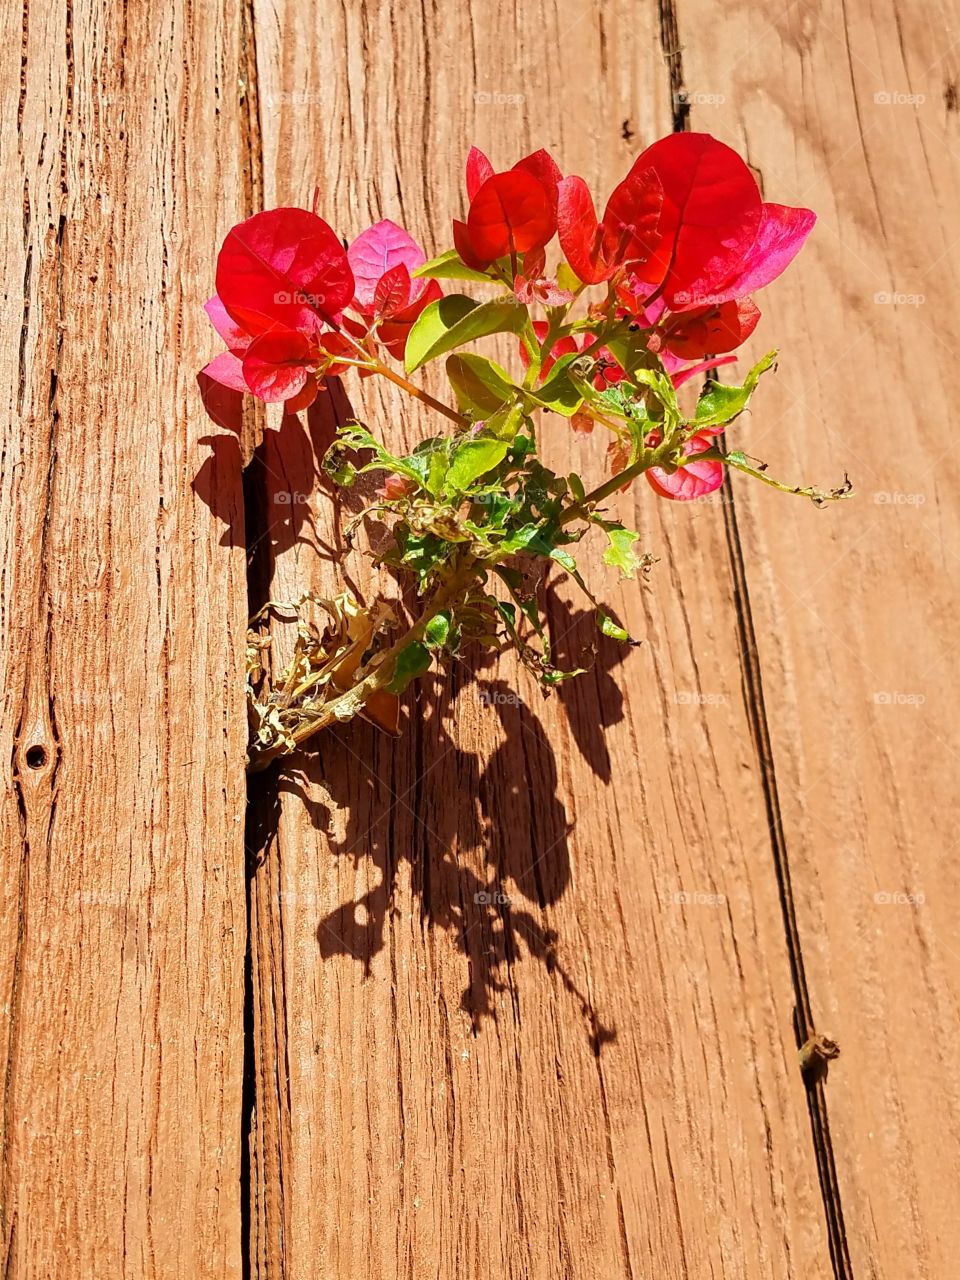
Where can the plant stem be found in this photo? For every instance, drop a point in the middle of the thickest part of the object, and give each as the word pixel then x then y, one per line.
pixel 377 366
pixel 648 458
pixel 349 703
pixel 423 396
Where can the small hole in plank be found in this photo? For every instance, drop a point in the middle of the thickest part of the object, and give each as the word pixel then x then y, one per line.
pixel 36 757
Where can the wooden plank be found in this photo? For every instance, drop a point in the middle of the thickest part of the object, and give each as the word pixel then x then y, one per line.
pixel 123 604
pixel 599 1078
pixel 851 109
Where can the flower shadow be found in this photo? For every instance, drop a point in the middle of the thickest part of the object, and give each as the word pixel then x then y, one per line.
pixel 281 471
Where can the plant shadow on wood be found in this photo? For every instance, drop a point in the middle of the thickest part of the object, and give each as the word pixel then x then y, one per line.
pixel 592 702
pixel 421 799
pixel 283 465
pixel 424 800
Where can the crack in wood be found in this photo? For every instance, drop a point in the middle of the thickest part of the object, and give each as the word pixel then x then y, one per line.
pixel 36 741
pixel 262 812
pixel 752 674
pixel 673 57
pixel 803 1017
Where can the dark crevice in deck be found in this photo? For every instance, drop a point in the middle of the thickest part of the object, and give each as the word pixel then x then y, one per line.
pixel 257 818
pixel 752 678
pixel 260 807
pixel 804 1027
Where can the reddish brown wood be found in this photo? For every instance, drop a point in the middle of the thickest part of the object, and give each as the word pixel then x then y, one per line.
pixel 597 1080
pixel 739 830
pixel 122 920
pixel 853 111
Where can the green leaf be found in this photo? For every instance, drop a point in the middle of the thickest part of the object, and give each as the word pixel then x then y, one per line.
pixel 454 321
pixel 449 266
pixel 429 461
pixel 566 561
pixel 436 473
pixel 552 676
pixel 525 539
pixel 422 553
pixel 355 436
pixel 497 508
pixel 627 406
pixel 506 423
pixel 437 630
pixel 479 383
pixel 472 459
pixel 631 351
pixel 567 278
pixel 620 552
pixel 558 391
pixel 661 386
pixel 721 403
pixel 433 324
pixel 610 628
pixel 412 661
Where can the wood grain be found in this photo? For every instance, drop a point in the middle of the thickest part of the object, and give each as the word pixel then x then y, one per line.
pixel 122 922
pixel 599 1077
pixel 524 989
pixel 851 109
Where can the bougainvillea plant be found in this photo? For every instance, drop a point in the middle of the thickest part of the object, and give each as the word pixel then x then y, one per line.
pixel 652 294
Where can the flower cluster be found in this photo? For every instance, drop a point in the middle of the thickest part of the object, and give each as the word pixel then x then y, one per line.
pixel 684 241
pixel 284 281
pixel 632 305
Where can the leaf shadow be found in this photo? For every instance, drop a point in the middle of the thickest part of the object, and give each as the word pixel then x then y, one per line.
pixel 483 839
pixel 403 802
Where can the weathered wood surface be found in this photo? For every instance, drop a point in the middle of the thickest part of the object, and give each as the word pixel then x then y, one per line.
pixel 122 920
pixel 598 1077
pixel 856 615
